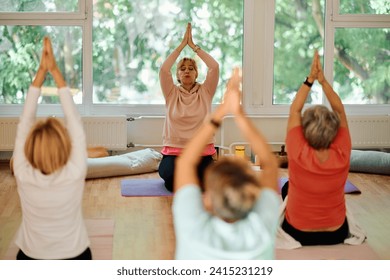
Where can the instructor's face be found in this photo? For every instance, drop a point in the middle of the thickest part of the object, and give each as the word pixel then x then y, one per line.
pixel 187 73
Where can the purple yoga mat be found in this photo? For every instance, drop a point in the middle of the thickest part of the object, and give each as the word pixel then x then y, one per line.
pixel 348 188
pixel 144 187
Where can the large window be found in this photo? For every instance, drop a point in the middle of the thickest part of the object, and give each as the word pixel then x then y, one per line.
pixel 362 65
pixel 299 30
pixel 20 57
pixel 379 7
pixel 131 39
pixel 39 6
pixel 359 49
pixel 23 25
pixel 110 51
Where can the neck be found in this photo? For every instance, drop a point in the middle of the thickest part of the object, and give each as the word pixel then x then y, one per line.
pixel 322 155
pixel 188 86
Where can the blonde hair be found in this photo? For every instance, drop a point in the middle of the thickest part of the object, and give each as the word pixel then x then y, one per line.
pixel 48 146
pixel 320 126
pixel 180 64
pixel 233 188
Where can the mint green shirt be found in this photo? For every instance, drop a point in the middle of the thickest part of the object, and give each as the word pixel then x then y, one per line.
pixel 199 235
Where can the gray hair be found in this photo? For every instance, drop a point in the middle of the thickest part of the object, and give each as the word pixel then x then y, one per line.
pixel 320 126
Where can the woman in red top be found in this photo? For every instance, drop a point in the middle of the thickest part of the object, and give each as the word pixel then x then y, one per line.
pixel 319 147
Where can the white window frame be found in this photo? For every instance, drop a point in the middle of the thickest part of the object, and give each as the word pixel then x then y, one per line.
pixel 336 20
pixel 51 19
pixel 257 59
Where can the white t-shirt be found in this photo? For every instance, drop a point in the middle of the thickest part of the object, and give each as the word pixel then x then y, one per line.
pixel 199 235
pixel 52 222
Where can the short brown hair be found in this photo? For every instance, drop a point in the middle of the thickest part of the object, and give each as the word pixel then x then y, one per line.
pixel 320 126
pixel 233 187
pixel 180 64
pixel 48 145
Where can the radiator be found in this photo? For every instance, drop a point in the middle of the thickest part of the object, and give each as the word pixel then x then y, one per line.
pixel 107 131
pixel 370 131
pixel 111 131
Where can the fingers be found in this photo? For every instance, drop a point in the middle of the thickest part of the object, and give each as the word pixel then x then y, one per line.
pixel 49 46
pixel 235 79
pixel 319 66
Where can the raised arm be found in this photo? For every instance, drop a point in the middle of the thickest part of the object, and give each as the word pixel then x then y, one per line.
pixel 28 116
pixel 212 77
pixel 296 107
pixel 72 117
pixel 331 95
pixel 166 80
pixel 259 144
pixel 187 162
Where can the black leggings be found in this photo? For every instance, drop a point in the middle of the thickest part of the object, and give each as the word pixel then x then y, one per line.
pixel 86 255
pixel 315 237
pixel 167 167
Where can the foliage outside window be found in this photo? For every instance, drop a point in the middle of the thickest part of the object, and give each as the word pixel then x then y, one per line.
pixel 361 55
pixel 362 65
pixel 299 28
pixel 21 47
pixel 131 39
pixel 380 7
pixel 20 53
pixel 39 5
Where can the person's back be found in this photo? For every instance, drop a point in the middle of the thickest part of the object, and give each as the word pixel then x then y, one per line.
pixel 50 168
pixel 206 236
pixel 316 188
pixel 318 146
pixel 237 216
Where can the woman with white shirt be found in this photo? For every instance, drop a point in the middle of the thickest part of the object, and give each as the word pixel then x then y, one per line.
pixel 50 165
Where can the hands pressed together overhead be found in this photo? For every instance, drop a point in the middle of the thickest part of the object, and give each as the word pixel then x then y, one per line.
pixel 316 72
pixel 48 64
pixel 187 39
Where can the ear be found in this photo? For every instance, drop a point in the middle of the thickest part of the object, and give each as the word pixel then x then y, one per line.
pixel 11 165
pixel 207 202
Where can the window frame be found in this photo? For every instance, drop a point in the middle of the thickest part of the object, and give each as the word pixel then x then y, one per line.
pixel 336 20
pixel 258 52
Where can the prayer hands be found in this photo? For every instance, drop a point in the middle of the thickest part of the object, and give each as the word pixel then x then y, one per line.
pixel 316 72
pixel 187 38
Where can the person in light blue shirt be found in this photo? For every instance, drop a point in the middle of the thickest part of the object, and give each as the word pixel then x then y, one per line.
pixel 237 215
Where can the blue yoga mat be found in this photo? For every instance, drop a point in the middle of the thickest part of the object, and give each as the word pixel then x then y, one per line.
pixel 144 187
pixel 155 187
pixel 348 188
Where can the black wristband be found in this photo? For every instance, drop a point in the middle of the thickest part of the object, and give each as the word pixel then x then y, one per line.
pixel 306 82
pixel 215 123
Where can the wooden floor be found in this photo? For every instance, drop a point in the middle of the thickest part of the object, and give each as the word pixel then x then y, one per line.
pixel 144 228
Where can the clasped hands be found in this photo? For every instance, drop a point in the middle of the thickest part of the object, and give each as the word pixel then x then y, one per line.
pixel 316 72
pixel 187 39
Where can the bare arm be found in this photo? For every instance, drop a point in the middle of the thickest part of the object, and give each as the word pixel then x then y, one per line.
pixel 296 107
pixel 331 95
pixel 166 81
pixel 269 164
pixel 212 78
pixel 28 116
pixel 259 144
pixel 187 162
pixel 72 116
